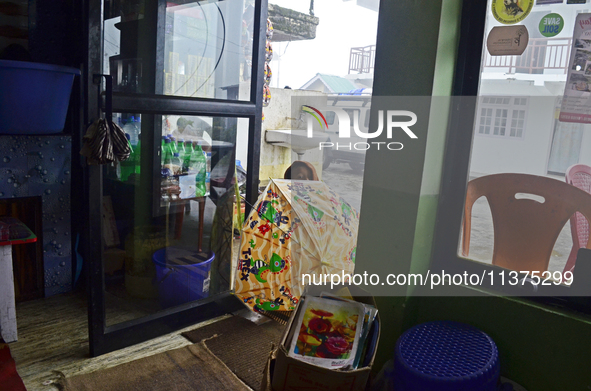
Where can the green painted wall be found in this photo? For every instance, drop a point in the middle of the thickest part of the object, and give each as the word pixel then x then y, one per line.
pixel 398 202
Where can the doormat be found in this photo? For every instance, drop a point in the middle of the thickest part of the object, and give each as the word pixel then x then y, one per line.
pixel 242 345
pixel 9 377
pixel 190 368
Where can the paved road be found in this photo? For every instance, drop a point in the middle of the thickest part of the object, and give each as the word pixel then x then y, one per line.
pixel 345 182
pixel 481 242
pixel 348 184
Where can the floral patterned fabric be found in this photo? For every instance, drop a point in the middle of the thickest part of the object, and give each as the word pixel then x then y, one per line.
pixel 296 227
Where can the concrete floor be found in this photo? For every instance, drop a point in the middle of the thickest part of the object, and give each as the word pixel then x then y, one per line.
pixel 345 182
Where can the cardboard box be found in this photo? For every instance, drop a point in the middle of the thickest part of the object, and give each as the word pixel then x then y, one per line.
pixel 284 373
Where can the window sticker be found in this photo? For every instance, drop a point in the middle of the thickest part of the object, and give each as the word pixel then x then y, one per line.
pixel 511 11
pixel 551 25
pixel 507 40
pixel 576 103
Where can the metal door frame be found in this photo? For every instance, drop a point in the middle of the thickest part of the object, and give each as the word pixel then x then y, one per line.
pixel 103 338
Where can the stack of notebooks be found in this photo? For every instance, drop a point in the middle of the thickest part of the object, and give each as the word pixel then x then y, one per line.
pixel 333 332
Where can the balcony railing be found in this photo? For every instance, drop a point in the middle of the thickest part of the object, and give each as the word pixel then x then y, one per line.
pixel 362 59
pixel 541 54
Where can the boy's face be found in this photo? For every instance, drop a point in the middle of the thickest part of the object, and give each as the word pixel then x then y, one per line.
pixel 302 173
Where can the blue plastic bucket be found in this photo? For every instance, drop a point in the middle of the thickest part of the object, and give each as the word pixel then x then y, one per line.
pixel 34 97
pixel 182 275
pixel 446 356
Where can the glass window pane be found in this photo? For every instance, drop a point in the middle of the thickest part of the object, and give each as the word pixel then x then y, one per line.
pixel 533 134
pixel 172 242
pixel 199 49
pixel 352 113
pixel 330 116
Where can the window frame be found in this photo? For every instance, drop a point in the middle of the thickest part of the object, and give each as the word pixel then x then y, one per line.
pixel 455 173
pixel 494 107
pixel 103 338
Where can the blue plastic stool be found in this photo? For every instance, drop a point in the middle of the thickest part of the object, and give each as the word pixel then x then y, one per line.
pixel 446 356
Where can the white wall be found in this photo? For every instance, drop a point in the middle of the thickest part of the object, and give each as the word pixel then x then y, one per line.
pixel 529 154
pixel 278 115
pixel 493 154
pixel 585 154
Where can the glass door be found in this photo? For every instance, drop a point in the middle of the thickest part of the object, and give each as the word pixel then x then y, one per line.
pixel 186 87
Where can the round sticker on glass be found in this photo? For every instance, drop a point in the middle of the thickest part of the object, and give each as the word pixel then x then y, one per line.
pixel 551 25
pixel 511 11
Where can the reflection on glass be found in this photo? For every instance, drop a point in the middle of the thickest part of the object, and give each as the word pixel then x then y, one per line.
pixel 201 49
pixel 181 250
pixel 518 126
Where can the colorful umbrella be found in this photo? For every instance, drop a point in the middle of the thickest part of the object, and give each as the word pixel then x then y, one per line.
pixel 295 228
